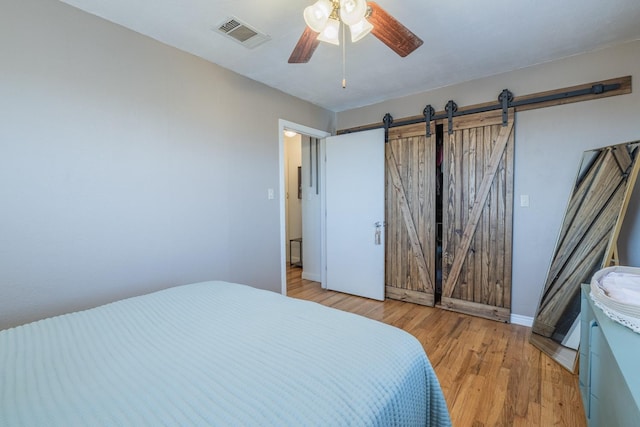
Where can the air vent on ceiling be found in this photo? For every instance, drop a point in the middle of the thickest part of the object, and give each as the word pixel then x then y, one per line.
pixel 242 33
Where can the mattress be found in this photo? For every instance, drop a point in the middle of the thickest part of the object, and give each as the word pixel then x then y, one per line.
pixel 215 354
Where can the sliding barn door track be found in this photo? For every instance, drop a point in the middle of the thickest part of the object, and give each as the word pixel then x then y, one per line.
pixel 506 100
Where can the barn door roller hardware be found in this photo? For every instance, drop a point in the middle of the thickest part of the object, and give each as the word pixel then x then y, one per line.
pixel 451 108
pixel 388 121
pixel 506 100
pixel 428 113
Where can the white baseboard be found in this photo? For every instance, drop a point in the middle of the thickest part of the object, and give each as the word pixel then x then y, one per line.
pixel 522 320
pixel 311 276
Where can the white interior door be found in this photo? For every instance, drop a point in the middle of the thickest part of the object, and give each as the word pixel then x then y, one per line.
pixel 354 203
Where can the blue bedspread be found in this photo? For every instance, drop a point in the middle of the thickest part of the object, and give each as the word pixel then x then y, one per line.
pixel 215 353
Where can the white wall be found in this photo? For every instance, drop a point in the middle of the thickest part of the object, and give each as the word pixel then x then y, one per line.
pixel 549 145
pixel 128 166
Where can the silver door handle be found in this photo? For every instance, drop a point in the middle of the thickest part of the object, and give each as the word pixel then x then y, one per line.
pixel 378 232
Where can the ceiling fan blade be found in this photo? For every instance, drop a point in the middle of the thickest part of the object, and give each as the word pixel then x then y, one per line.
pixel 391 32
pixel 307 44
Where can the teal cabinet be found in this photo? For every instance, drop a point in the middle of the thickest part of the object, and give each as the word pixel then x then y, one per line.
pixel 609 369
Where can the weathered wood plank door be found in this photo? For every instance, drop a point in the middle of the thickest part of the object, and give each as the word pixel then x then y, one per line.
pixel 410 215
pixel 478 215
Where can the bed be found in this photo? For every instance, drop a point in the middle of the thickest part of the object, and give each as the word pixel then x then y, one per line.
pixel 215 353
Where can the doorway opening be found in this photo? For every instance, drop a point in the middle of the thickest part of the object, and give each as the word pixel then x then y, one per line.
pixel 300 201
pixel 293 198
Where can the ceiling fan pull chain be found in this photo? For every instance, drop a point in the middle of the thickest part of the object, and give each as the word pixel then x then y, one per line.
pixel 344 58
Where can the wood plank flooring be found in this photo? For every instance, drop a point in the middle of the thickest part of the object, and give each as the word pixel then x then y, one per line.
pixel 489 373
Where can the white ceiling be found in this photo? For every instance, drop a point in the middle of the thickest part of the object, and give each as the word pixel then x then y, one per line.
pixel 463 40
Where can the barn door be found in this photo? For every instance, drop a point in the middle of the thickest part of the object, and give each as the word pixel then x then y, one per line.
pixel 477 215
pixel 410 215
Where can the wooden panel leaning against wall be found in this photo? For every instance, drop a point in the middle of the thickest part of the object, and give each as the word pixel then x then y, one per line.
pixel 440 181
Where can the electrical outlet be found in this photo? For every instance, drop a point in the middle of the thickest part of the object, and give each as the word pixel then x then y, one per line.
pixel 270 195
pixel 524 200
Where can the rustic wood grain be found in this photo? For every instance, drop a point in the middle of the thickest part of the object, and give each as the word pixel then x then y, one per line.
pixel 417 297
pixel 487 311
pixel 489 373
pixel 471 222
pixel 509 159
pixel 482 251
pixel 391 32
pixel 416 253
pixel 305 47
pixel 410 215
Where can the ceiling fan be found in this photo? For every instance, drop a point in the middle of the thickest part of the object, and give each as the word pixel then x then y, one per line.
pixel 324 17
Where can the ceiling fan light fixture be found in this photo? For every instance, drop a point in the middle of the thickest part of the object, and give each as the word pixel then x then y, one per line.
pixel 362 17
pixel 360 29
pixel 331 32
pixel 317 15
pixel 352 11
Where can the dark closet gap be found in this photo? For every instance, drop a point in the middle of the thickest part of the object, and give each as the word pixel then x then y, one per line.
pixel 439 203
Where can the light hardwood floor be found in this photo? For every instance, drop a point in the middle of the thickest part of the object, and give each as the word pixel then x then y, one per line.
pixel 489 373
